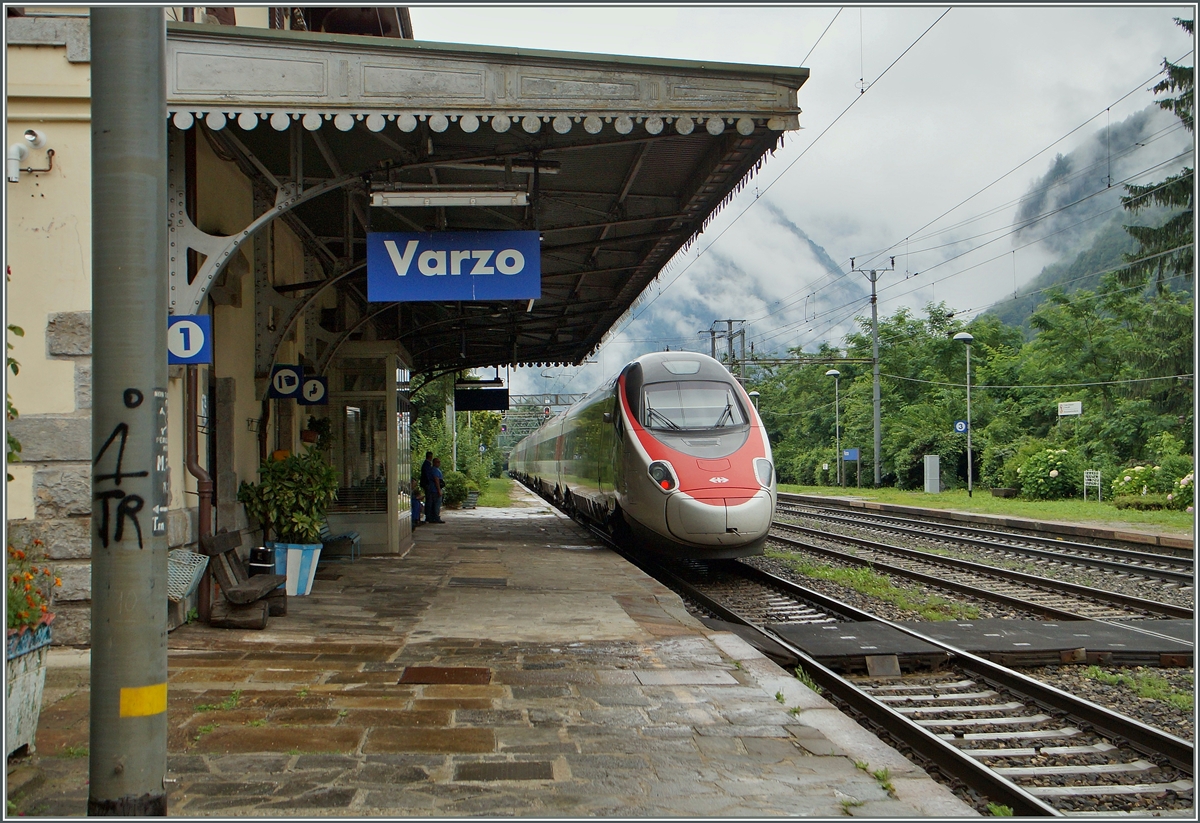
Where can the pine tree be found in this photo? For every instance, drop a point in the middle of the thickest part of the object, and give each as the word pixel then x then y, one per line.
pixel 1166 250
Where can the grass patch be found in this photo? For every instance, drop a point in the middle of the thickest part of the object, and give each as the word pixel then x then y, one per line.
pixel 779 697
pixel 74 751
pixel 302 693
pixel 497 495
pixel 868 582
pixel 806 678
pixel 256 723
pixel 999 810
pixel 1144 684
pixel 208 728
pixel 228 704
pixel 1065 511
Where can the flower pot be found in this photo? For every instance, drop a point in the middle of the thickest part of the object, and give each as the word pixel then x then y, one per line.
pixel 25 669
pixel 308 436
pixel 298 561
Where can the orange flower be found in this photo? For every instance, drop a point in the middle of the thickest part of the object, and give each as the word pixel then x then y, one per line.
pixel 38 542
pixel 58 581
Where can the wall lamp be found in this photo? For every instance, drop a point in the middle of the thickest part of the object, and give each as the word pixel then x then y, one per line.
pixel 449 198
pixel 17 153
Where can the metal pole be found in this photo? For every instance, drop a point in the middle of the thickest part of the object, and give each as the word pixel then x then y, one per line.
pixel 128 719
pixel 837 429
pixel 969 482
pixel 875 372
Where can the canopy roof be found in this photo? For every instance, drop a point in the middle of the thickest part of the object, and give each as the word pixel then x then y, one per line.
pixel 623 159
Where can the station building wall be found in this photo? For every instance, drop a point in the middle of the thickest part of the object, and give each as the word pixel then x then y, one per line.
pixel 48 237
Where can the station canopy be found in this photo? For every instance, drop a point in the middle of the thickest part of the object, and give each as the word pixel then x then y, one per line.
pixel 622 161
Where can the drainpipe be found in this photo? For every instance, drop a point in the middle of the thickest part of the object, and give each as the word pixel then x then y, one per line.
pixel 204 485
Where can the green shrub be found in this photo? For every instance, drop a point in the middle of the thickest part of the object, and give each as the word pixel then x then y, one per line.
pixel 455 491
pixel 1142 502
pixel 1183 494
pixel 1173 468
pixel 1051 474
pixel 991 469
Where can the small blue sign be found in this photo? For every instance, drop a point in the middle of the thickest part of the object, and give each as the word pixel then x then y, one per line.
pixel 285 381
pixel 849 454
pixel 960 426
pixel 460 265
pixel 189 339
pixel 314 391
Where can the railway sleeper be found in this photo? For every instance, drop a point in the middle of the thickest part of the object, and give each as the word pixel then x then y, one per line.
pixel 1178 786
pixel 1039 751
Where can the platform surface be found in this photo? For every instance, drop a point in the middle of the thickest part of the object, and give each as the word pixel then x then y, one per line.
pixel 507 665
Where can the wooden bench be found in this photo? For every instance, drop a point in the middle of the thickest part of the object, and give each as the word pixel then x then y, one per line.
pixel 347 540
pixel 245 601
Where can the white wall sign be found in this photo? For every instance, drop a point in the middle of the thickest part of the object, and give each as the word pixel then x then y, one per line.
pixel 1074 407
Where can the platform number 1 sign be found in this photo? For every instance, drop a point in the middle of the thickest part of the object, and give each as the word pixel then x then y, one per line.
pixel 189 339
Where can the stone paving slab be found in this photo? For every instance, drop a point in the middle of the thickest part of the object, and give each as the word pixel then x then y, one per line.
pixel 580 687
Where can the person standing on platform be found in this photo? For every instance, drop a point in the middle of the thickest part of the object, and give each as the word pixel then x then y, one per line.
pixel 427 483
pixel 434 514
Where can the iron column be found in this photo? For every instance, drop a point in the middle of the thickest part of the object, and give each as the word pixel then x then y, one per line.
pixel 128 748
pixel 875 402
pixel 967 339
pixel 837 423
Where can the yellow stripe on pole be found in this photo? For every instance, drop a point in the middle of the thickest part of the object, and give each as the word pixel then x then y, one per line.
pixel 141 701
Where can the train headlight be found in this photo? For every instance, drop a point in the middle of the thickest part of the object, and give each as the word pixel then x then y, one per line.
pixel 663 475
pixel 764 470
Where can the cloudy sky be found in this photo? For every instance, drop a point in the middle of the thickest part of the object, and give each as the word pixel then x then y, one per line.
pixel 983 100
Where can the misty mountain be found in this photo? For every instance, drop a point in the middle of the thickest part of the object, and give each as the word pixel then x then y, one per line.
pixel 1076 205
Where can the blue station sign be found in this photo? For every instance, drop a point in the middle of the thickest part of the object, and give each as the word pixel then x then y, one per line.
pixel 467 265
pixel 189 339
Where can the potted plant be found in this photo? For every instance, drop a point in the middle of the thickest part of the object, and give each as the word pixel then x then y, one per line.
pixel 29 591
pixel 290 502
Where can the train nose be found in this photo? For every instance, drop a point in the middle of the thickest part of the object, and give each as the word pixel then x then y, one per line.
pixel 720 521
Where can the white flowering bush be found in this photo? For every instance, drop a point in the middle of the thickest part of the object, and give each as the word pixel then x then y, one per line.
pixel 1140 479
pixel 1183 495
pixel 1051 474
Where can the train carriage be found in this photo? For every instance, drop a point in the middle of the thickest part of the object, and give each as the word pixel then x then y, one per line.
pixel 671 450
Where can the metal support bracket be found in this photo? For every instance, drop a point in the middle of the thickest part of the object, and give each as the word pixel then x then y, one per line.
pixel 184 298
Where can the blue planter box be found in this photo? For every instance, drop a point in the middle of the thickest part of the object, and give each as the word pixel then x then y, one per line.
pixel 298 561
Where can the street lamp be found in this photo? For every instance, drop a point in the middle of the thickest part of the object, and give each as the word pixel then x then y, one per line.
pixel 837 423
pixel 967 340
pixel 754 399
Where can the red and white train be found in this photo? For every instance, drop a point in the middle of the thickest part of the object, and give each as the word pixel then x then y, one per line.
pixel 671 449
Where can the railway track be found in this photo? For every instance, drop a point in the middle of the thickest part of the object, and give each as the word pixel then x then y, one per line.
pixel 1001 737
pixel 1001 546
pixel 1038 595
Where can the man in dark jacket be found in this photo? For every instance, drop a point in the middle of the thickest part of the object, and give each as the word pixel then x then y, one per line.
pixel 427 484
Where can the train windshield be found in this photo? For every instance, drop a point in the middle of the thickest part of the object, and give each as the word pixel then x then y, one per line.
pixel 690 405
